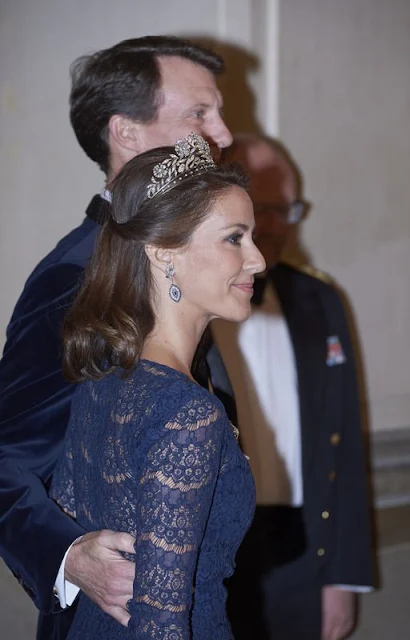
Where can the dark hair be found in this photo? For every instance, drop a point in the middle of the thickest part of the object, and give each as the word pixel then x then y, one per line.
pixel 113 314
pixel 124 79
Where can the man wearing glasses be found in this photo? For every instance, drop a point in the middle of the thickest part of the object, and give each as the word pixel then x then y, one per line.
pixel 292 368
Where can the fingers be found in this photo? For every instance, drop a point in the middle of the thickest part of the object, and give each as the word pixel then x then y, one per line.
pixel 338 607
pixel 117 540
pixel 120 614
pixel 97 567
pixel 337 630
pixel 126 571
pixel 115 603
pixel 118 583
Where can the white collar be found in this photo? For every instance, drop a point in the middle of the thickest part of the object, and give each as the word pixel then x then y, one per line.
pixel 106 195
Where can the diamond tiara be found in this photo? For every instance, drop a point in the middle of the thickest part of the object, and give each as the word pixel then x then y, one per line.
pixel 192 156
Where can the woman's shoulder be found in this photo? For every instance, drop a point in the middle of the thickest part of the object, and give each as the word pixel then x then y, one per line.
pixel 178 397
pixel 152 393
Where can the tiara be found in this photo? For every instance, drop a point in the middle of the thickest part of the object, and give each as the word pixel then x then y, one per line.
pixel 192 156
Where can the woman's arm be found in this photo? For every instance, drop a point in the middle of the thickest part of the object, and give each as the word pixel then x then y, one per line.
pixel 176 487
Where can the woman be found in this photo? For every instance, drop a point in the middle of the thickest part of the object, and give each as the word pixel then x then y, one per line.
pixel 148 450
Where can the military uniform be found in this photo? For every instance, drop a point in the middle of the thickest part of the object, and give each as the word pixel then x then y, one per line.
pixel 291 552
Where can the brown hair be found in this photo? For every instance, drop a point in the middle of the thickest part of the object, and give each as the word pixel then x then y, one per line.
pixel 112 314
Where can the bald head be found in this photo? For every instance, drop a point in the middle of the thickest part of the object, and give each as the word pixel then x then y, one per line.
pixel 274 184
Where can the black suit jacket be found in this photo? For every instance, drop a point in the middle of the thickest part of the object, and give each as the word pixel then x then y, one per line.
pixel 330 535
pixel 34 411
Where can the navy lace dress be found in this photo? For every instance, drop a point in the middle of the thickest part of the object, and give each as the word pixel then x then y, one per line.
pixel 155 455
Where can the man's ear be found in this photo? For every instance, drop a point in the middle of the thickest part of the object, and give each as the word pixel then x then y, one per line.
pixel 124 133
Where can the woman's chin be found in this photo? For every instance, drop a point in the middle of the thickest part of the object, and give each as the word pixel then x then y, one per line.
pixel 239 315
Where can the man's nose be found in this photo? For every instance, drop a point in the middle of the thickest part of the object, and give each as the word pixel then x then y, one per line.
pixel 222 136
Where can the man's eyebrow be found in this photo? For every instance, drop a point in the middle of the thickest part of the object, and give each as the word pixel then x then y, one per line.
pixel 204 105
pixel 210 103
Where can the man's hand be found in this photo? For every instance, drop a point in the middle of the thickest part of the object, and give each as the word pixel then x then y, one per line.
pixel 95 565
pixel 338 613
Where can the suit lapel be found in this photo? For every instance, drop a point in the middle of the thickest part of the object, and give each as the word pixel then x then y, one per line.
pixel 307 328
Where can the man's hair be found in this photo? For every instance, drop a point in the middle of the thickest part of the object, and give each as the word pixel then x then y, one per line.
pixel 113 312
pixel 124 79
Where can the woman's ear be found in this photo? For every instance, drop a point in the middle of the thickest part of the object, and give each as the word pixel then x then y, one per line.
pixel 158 256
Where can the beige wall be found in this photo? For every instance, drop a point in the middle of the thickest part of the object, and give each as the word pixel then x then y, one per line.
pixel 46 180
pixel 335 86
pixel 344 111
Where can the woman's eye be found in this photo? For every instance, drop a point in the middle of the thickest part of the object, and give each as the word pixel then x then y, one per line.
pixel 199 113
pixel 236 238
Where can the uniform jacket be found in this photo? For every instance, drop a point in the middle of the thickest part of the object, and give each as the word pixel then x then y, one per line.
pixel 335 516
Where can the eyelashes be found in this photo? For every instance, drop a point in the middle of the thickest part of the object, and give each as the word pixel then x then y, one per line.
pixel 235 239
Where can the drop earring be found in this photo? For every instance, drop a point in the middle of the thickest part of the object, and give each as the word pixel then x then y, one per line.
pixel 174 291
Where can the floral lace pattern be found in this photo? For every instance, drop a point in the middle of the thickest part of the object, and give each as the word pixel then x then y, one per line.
pixel 155 455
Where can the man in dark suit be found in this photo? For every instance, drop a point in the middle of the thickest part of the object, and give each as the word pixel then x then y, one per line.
pixel 137 95
pixel 293 373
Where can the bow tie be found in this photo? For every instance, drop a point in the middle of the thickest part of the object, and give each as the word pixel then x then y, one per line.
pixel 258 290
pixel 98 210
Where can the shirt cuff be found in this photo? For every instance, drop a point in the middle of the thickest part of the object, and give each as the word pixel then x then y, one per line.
pixel 65 590
pixel 355 588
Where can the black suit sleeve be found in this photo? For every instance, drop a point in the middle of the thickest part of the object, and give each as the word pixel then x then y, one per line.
pixel 34 410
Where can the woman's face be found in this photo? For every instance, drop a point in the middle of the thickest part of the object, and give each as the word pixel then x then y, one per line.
pixel 216 271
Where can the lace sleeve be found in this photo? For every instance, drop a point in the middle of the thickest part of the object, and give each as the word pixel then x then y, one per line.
pixel 176 483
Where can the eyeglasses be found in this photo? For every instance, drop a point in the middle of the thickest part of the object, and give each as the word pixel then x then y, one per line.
pixel 287 213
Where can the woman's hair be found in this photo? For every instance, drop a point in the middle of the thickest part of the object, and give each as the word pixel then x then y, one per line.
pixel 113 314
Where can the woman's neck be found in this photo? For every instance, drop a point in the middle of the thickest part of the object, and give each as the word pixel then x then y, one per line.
pixel 173 344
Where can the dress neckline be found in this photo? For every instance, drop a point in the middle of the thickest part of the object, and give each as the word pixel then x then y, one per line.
pixel 234 428
pixel 160 365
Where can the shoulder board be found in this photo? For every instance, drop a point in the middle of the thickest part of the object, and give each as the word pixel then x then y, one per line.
pixel 309 270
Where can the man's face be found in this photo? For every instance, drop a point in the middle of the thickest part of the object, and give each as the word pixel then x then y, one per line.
pixel 190 101
pixel 272 189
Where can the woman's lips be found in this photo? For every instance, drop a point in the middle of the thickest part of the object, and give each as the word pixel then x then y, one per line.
pixel 246 288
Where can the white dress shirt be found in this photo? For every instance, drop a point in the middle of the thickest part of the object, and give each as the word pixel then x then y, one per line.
pixel 65 590
pixel 261 365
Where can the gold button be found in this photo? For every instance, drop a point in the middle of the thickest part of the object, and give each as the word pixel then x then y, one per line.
pixel 325 515
pixel 332 476
pixel 335 438
pixel 320 552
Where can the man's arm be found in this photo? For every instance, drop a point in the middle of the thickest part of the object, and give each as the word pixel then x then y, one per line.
pixel 351 568
pixel 34 410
